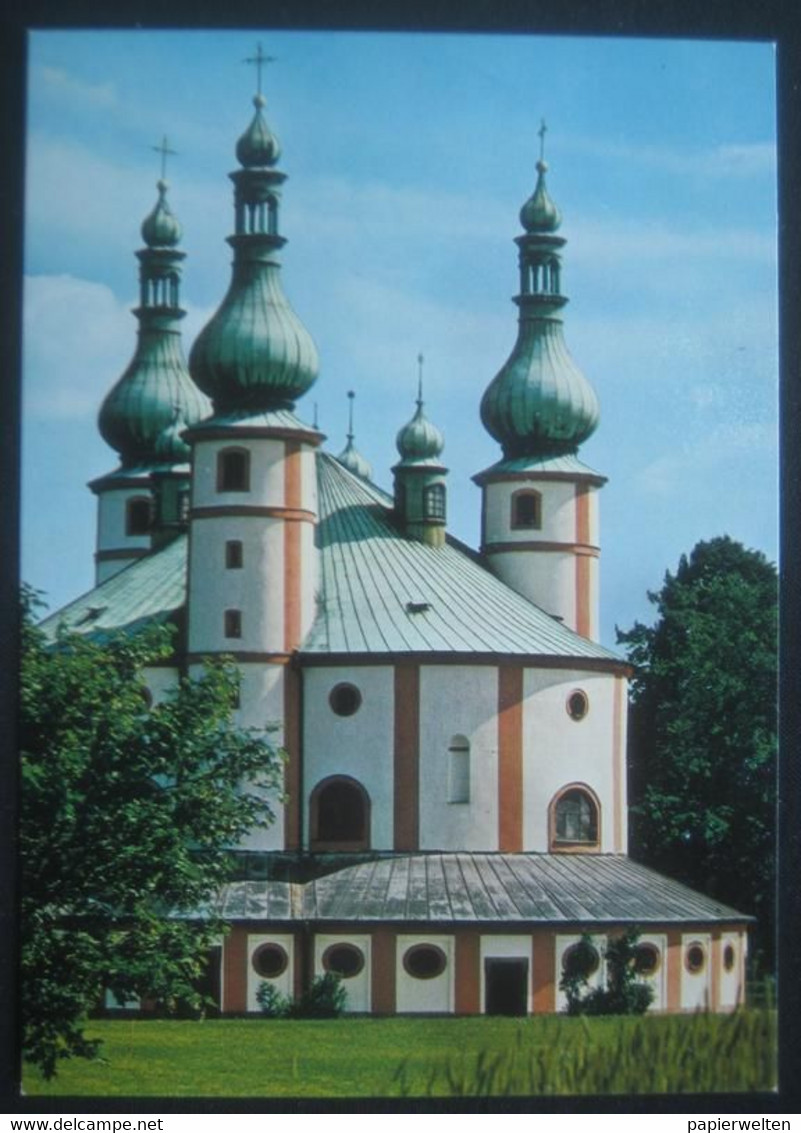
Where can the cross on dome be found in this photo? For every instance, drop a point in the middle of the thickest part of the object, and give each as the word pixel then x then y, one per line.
pixel 258 60
pixel 164 150
pixel 543 130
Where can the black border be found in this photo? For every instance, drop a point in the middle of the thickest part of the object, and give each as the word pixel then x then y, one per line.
pixel 768 20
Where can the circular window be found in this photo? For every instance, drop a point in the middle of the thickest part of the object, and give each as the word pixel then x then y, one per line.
pixel 345 699
pixel 270 960
pixel 646 959
pixel 728 958
pixel 345 959
pixel 425 961
pixel 578 705
pixel 694 958
pixel 580 959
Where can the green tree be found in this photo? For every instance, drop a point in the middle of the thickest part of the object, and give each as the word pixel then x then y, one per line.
pixel 623 991
pixel 126 820
pixel 703 730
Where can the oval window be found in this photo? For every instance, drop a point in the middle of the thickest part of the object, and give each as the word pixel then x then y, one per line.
pixel 578 705
pixel 581 959
pixel 270 960
pixel 345 699
pixel 345 959
pixel 728 957
pixel 425 961
pixel 694 958
pixel 646 959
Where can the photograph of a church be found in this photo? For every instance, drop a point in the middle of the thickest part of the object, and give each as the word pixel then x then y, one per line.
pixel 456 812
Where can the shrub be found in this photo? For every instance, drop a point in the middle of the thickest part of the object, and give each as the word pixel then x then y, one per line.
pixel 325 999
pixel 273 1004
pixel 624 993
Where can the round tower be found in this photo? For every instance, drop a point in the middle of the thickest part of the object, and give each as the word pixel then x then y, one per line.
pixel 420 489
pixel 252 584
pixel 539 508
pixel 138 414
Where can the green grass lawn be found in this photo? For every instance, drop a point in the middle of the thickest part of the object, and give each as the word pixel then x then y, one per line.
pixel 418 1057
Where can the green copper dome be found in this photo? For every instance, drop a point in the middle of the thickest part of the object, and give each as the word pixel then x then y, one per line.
pixel 350 456
pixel 258 146
pixel 539 402
pixel 161 229
pixel 419 441
pixel 255 354
pixel 156 384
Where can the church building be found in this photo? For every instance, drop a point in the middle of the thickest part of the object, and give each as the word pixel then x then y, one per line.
pixel 455 816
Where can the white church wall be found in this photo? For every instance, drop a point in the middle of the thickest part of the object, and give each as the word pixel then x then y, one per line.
pixel 284 982
pixel 558 512
pixel 696 985
pixel 732 975
pixel 657 980
pixel 256 589
pixel 558 750
pixel 458 700
pixel 160 681
pixel 357 986
pixel 424 995
pixel 547 578
pixel 266 473
pixel 359 746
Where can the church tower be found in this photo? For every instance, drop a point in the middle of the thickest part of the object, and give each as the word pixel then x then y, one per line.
pixel 420 489
pixel 539 508
pixel 252 559
pixel 139 414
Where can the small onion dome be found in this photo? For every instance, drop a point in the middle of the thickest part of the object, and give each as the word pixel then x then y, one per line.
pixel 353 460
pixel 171 448
pixel 539 402
pixel 539 213
pixel 258 146
pixel 161 229
pixel 419 440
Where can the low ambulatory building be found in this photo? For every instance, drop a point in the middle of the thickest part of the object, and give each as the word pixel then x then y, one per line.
pixel 455 815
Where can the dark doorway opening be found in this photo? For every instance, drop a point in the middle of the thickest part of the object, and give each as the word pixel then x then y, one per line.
pixel 506 986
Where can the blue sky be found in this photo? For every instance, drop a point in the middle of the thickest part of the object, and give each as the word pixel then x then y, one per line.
pixel 409 156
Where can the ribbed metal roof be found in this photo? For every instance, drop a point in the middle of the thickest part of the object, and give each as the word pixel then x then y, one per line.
pixel 145 593
pixel 385 593
pixel 560 889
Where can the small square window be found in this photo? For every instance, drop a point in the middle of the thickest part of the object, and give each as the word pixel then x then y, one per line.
pixel 233 470
pixel 233 554
pixel 233 623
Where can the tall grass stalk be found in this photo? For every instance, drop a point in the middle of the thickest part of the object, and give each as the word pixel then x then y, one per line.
pixel 671 1054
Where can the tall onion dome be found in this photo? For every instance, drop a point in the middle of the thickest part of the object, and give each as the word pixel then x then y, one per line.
pixel 255 354
pixel 350 455
pixel 539 403
pixel 156 384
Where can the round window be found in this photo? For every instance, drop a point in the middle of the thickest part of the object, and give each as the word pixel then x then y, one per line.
pixel 646 959
pixel 580 959
pixel 425 961
pixel 345 699
pixel 270 960
pixel 578 705
pixel 728 958
pixel 694 958
pixel 345 959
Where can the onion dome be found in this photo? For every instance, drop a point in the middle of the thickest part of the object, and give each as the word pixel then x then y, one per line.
pixel 171 448
pixel 258 146
pixel 539 213
pixel 156 383
pixel 161 229
pixel 350 456
pixel 419 440
pixel 539 403
pixel 255 354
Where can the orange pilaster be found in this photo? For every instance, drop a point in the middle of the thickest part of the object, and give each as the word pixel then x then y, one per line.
pixel 543 972
pixel 467 990
pixel 510 759
pixel 407 757
pixel 235 978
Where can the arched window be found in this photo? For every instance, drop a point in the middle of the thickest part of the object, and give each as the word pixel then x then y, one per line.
pixel 434 501
pixel 459 770
pixel 339 814
pixel 233 470
pixel 527 510
pixel 138 516
pixel 574 820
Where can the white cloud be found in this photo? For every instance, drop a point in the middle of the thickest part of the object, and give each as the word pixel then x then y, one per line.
pixel 63 85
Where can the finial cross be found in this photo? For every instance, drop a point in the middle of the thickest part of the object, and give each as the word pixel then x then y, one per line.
pixel 259 59
pixel 420 379
pixel 164 150
pixel 351 396
pixel 542 132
